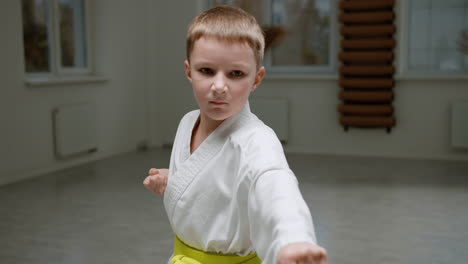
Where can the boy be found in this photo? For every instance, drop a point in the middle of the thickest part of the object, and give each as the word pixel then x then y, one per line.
pixel 229 193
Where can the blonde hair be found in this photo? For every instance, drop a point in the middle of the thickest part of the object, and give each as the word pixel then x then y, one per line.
pixel 230 24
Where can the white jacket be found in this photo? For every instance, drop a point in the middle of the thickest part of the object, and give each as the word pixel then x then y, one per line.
pixel 235 194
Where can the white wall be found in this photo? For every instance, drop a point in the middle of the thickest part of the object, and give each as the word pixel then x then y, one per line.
pixel 422 113
pixel 170 94
pixel 120 35
pixel 140 48
pixel 422 106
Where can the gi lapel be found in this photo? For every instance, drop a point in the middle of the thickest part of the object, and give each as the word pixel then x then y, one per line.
pixel 191 167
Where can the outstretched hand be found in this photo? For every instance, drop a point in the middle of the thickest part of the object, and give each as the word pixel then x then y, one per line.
pixel 156 180
pixel 302 253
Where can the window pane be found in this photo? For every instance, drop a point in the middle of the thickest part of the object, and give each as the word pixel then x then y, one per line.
pixel 254 7
pixel 300 29
pixel 434 35
pixel 72 33
pixel 35 35
pixel 307 27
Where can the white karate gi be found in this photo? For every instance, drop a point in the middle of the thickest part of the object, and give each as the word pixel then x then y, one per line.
pixel 235 194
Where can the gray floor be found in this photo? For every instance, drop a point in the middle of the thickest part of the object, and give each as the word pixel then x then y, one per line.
pixel 366 210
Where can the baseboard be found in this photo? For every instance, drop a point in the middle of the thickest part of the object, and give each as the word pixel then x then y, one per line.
pixel 12 178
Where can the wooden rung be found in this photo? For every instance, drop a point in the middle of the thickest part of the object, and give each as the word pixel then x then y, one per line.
pixel 367 31
pixel 365 109
pixel 366 5
pixel 366 97
pixel 367 121
pixel 367 83
pixel 376 70
pixel 361 56
pixel 381 43
pixel 367 17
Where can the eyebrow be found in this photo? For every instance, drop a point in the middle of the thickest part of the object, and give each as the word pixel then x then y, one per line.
pixel 231 65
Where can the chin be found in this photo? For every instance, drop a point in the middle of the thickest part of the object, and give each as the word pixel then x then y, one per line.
pixel 218 114
pixel 219 117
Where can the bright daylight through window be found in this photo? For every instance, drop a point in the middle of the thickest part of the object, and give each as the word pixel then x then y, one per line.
pixel 300 32
pixel 438 37
pixel 55 37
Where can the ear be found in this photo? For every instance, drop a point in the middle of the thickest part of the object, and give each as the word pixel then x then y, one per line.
pixel 188 74
pixel 259 77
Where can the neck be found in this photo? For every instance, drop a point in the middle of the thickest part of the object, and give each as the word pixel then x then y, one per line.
pixel 202 130
pixel 207 125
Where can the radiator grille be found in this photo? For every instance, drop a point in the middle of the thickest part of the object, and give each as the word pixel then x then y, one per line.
pixel 274 113
pixel 459 137
pixel 74 130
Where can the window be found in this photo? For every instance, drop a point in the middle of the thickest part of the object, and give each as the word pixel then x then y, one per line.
pixel 303 33
pixel 55 37
pixel 436 33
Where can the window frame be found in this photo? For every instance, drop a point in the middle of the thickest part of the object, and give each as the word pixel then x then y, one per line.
pixel 56 70
pixel 329 70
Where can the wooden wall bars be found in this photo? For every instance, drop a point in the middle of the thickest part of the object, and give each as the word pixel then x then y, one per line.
pixel 366 70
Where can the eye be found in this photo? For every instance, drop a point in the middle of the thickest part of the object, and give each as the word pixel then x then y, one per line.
pixel 206 71
pixel 237 73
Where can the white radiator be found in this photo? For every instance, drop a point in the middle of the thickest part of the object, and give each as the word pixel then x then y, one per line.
pixel 74 128
pixel 274 113
pixel 459 135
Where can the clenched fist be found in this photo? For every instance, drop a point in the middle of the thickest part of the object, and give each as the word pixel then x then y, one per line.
pixel 302 253
pixel 156 180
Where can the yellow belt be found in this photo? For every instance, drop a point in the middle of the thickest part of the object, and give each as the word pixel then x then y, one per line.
pixel 184 254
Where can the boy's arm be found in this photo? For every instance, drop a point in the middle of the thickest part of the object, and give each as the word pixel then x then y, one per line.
pixel 156 181
pixel 281 226
pixel 302 252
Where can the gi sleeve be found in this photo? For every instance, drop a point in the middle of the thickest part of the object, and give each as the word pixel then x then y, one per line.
pixel 278 214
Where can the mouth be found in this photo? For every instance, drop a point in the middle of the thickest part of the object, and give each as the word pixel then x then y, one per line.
pixel 218 103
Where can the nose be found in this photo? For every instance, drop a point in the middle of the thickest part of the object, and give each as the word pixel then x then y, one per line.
pixel 219 84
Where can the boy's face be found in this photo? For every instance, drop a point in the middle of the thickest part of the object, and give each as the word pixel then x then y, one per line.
pixel 222 75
